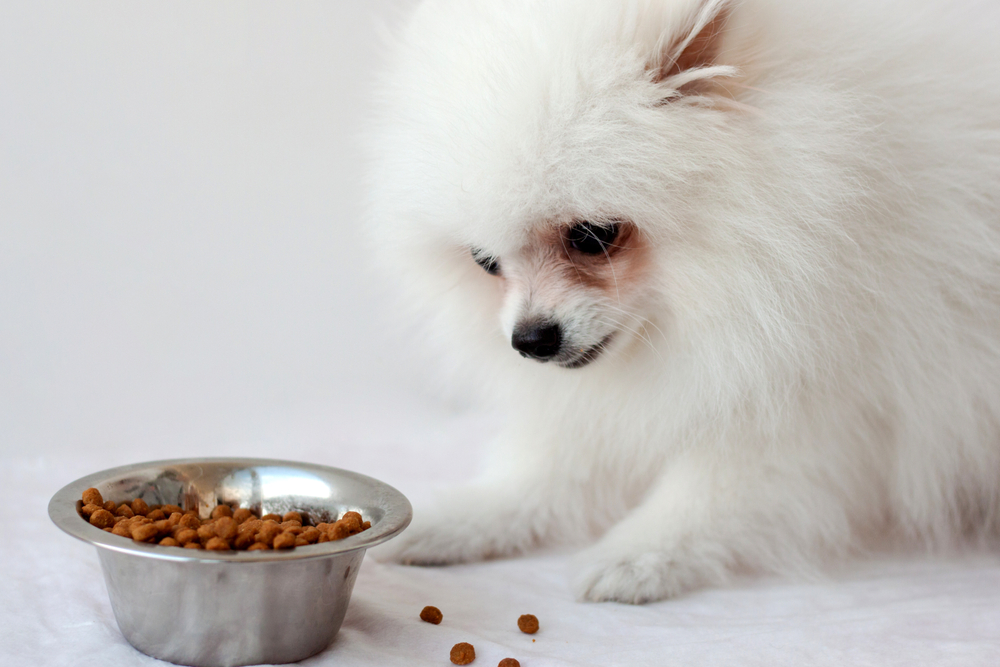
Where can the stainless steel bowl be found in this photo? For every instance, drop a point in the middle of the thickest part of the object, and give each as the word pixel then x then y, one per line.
pixel 217 609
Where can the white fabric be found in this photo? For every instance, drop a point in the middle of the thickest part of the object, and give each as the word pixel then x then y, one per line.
pixel 900 611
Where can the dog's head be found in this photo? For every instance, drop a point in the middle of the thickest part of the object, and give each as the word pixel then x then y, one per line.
pixel 538 162
pixel 569 289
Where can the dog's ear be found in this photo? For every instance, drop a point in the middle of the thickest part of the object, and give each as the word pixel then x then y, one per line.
pixel 687 58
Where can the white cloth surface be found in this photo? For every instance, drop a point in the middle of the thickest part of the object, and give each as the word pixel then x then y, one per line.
pixel 890 611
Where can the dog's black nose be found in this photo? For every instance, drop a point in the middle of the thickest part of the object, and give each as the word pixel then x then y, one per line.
pixel 538 340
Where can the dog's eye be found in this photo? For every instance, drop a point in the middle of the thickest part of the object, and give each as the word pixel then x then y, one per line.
pixel 591 238
pixel 491 265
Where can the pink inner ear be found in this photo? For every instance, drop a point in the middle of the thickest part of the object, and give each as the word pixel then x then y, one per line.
pixel 691 51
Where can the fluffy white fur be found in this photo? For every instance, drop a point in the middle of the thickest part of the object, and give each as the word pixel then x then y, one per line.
pixel 813 360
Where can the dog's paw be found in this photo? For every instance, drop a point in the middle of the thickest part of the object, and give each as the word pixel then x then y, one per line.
pixel 460 531
pixel 429 542
pixel 634 576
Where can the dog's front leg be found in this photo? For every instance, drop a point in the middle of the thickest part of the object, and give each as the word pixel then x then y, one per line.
pixel 526 505
pixel 709 515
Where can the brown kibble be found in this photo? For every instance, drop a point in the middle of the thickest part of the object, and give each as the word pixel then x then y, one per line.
pixel 250 527
pixel 339 530
pixel 366 525
pixel 431 615
pixel 463 653
pixel 528 624
pixel 110 506
pixel 284 541
pixel 102 518
pixel 244 541
pixel 93 497
pixel 353 521
pixel 225 528
pixel 217 544
pixel 230 526
pixel 206 532
pixel 139 506
pixel 107 530
pixel 268 532
pixel 186 535
pixel 509 662
pixel 242 515
pixel 144 532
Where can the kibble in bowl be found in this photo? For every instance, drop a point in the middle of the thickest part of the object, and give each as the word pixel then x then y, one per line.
pixel 189 586
pixel 226 529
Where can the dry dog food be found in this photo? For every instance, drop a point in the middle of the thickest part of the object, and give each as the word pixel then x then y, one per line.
pixel 528 624
pixel 509 662
pixel 463 654
pixel 228 528
pixel 431 615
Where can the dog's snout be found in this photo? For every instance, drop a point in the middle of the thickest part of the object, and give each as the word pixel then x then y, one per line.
pixel 538 340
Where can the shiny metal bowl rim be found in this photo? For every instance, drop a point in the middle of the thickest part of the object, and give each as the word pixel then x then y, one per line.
pixel 63 512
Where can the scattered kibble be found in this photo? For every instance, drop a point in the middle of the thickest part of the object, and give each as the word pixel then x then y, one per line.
pixel 509 662
pixel 528 624
pixel 463 653
pixel 431 615
pixel 228 528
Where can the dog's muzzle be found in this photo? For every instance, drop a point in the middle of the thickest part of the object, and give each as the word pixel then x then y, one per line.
pixel 543 340
pixel 539 340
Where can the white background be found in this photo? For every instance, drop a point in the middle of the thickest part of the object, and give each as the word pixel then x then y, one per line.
pixel 180 200
pixel 181 274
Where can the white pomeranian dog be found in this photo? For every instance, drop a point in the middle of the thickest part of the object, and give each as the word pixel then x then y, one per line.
pixel 755 246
